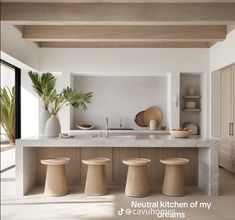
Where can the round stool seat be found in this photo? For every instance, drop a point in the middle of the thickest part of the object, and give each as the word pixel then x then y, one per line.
pixel 96 176
pixel 137 179
pixel 173 184
pixel 175 161
pixel 56 161
pixel 56 183
pixel 136 161
pixel 96 161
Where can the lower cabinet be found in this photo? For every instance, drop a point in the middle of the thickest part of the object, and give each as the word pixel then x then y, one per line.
pixel 227 143
pixel 227 155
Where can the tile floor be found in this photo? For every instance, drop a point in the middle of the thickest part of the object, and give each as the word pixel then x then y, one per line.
pixel 77 206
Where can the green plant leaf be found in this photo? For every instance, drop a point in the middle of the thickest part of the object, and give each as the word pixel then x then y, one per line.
pixel 68 97
pixel 7 113
pixel 43 85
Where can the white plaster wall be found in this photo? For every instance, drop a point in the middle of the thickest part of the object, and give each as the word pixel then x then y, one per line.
pixel 124 61
pixel 223 53
pixel 25 55
pixel 29 107
pixel 121 97
pixel 116 62
pixel 24 51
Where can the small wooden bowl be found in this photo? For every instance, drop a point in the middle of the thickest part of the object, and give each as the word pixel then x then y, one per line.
pixel 85 128
pixel 180 134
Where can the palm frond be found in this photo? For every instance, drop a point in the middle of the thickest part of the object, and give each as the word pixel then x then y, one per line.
pixel 36 80
pixel 48 83
pixel 7 113
pixel 43 85
pixel 69 97
pixel 76 98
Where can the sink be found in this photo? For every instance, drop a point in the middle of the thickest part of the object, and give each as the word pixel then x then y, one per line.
pixel 121 129
pixel 122 136
pixel 114 136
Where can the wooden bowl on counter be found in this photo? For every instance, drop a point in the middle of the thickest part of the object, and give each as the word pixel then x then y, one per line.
pixel 85 127
pixel 180 134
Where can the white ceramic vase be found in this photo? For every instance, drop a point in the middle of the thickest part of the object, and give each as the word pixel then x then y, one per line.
pixel 44 116
pixel 52 128
pixel 152 125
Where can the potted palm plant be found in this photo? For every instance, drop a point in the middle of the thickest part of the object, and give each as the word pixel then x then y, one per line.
pixel 57 101
pixel 7 116
pixel 44 86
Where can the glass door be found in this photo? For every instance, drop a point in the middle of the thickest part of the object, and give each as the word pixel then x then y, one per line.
pixel 10 123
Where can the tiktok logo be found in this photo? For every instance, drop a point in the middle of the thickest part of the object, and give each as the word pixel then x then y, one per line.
pixel 120 212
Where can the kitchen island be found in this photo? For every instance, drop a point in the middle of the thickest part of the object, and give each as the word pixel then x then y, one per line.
pixel 202 170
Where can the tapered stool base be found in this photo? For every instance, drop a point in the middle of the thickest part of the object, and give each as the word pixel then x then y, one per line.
pixel 96 177
pixel 173 184
pixel 137 184
pixel 56 183
pixel 96 181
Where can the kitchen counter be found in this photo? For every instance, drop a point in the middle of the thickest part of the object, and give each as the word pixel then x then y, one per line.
pixel 122 131
pixel 124 140
pixel 202 170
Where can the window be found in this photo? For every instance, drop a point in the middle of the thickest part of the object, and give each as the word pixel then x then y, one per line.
pixel 10 77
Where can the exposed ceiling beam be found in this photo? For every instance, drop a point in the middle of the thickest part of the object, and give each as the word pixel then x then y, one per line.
pixel 159 13
pixel 124 44
pixel 124 33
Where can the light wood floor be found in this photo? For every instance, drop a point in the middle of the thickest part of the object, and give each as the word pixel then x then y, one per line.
pixel 77 206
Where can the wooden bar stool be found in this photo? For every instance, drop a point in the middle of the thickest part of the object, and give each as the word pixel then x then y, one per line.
pixel 96 177
pixel 173 184
pixel 137 179
pixel 56 184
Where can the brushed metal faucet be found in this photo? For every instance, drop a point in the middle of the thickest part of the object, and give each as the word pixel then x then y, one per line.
pixel 107 127
pixel 120 122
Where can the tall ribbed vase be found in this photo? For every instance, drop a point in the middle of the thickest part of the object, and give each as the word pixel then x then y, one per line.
pixel 44 116
pixel 52 128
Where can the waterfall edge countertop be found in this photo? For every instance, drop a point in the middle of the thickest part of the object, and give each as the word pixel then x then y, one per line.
pixel 27 154
pixel 145 140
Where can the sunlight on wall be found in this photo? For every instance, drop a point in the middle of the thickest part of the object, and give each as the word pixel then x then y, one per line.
pixel 29 107
pixel 29 111
pixel 7 76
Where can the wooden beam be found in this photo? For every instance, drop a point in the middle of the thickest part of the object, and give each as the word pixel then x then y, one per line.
pixel 124 44
pixel 124 33
pixel 80 13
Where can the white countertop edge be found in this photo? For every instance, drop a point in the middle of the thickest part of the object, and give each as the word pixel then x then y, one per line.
pixel 140 131
pixel 118 142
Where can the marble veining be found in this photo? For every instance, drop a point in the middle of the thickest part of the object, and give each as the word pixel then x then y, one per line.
pixel 119 141
pixel 207 156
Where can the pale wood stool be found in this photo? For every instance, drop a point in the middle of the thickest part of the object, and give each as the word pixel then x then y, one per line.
pixel 137 178
pixel 96 177
pixel 173 184
pixel 56 184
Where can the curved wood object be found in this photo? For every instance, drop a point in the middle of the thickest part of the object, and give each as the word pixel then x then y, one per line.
pixel 137 179
pixel 96 177
pixel 152 113
pixel 56 183
pixel 139 119
pixel 173 184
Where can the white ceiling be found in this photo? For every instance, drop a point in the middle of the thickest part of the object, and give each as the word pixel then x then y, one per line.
pixel 121 1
